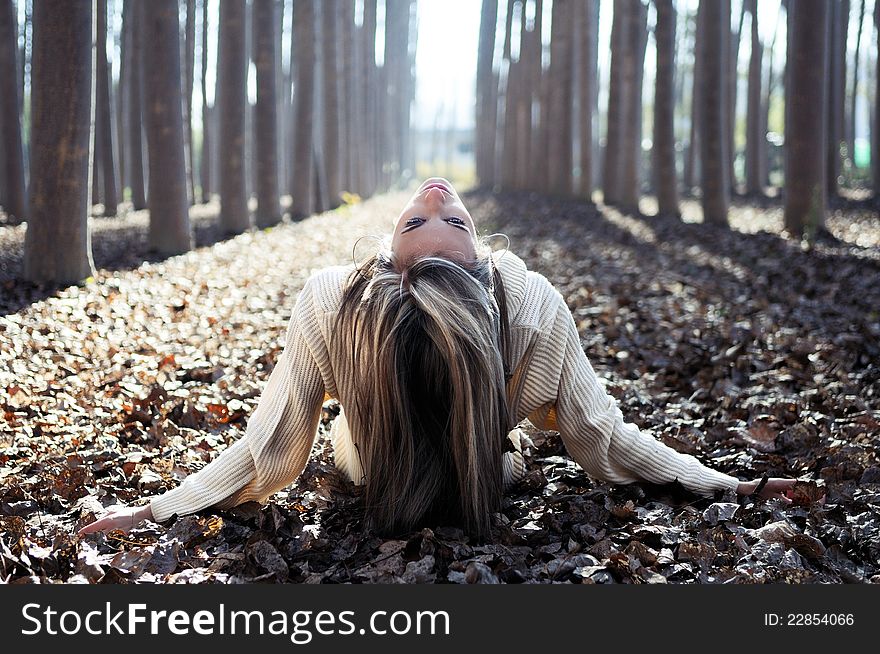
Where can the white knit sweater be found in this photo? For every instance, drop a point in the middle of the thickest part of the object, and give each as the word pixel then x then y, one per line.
pixel 553 384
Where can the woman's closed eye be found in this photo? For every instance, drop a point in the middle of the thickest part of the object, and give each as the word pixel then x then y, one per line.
pixel 415 221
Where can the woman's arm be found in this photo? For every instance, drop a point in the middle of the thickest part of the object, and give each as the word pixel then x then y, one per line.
pixel 602 442
pixel 277 440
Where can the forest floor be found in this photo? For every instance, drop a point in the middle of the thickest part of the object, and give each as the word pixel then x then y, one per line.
pixel 755 354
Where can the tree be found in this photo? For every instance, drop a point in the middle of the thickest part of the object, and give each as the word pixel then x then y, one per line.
pixel 585 42
pixel 875 132
pixel 851 123
pixel 188 83
pixel 485 95
pixel 232 73
pixel 663 151
pixel 302 187
pixel 11 150
pixel 839 23
pixel 633 76
pixel 614 129
pixel 330 86
pixel 806 120
pixel 104 115
pixel 131 14
pixel 714 160
pixel 561 98
pixel 754 119
pixel 691 161
pixel 57 242
pixel 170 229
pixel 369 134
pixel 266 128
pixel 205 164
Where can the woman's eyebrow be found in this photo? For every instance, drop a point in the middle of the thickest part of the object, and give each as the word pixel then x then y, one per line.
pixel 417 225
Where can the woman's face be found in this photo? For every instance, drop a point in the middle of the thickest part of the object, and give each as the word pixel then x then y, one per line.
pixel 434 222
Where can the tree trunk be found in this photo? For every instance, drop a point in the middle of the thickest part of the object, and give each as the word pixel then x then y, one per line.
pixel 611 170
pixel 561 98
pixel 205 163
pixel 170 230
pixel 851 122
pixel 57 242
pixel 11 151
pixel 663 152
pixel 713 142
pixel 839 22
pixel 528 50
pixel 754 121
pixel 330 87
pixel 369 76
pixel 345 17
pixel 805 129
pixel 188 84
pixel 120 97
pixel 268 205
pixel 104 115
pixel 875 132
pixel 631 141
pixel 507 170
pixel 302 187
pixel 232 71
pixel 484 139
pixel 734 39
pixel 585 42
pixel 691 162
pixel 135 107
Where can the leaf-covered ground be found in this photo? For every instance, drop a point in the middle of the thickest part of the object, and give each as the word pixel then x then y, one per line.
pixel 752 353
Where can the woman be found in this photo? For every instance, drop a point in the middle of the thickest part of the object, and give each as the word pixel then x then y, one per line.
pixel 436 348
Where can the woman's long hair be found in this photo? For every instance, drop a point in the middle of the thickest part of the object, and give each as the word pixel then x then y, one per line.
pixel 427 344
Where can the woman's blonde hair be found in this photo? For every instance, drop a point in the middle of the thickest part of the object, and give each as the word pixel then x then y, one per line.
pixel 427 341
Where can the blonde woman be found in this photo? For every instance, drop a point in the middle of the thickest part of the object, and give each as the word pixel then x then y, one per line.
pixel 436 348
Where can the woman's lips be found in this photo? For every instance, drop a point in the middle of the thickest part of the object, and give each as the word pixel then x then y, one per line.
pixel 442 187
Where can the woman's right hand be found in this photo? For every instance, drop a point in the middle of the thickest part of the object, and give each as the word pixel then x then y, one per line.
pixel 120 517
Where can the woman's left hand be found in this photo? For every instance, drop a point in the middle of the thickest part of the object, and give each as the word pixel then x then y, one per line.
pixel 775 488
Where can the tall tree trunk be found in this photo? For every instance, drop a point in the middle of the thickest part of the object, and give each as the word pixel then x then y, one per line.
pixel 353 112
pixel 772 81
pixel 484 140
pixel 732 52
pixel 330 87
pixel 561 98
pixel 120 97
pixel 302 187
pixel 135 107
pixel 691 162
pixel 524 102
pixel 232 69
pixel 807 121
pixel 57 244
pixel 754 120
pixel 713 142
pixel 839 23
pixel 630 163
pixel 104 115
pixel 585 42
pixel 345 17
pixel 188 84
pixel 268 205
pixel 205 163
pixel 11 151
pixel 368 91
pixel 663 152
pixel 611 169
pixel 507 169
pixel 851 122
pixel 875 131
pixel 170 229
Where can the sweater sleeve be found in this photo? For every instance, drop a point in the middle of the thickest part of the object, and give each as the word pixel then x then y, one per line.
pixel 278 437
pixel 597 437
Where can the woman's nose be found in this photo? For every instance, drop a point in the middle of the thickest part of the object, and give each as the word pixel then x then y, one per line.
pixel 434 198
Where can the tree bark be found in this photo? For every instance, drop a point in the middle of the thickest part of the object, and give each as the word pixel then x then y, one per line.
pixel 369 133
pixel 170 229
pixel 57 242
pixel 754 120
pixel 330 87
pixel 205 163
pixel 851 122
pixel 15 197
pixel 875 132
pixel 232 71
pixel 631 140
pixel 807 121
pixel 561 98
pixel 188 84
pixel 691 162
pixel 839 23
pixel 713 142
pixel 302 186
pixel 135 106
pixel 268 204
pixel 346 97
pixel 104 115
pixel 611 169
pixel 484 139
pixel 663 152
pixel 585 42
